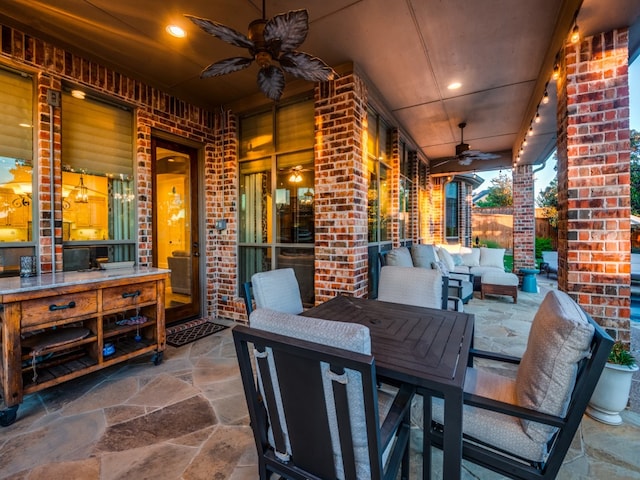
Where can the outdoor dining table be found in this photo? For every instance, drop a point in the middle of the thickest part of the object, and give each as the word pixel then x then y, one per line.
pixel 425 347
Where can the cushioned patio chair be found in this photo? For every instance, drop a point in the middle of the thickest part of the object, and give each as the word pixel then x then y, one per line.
pixel 549 263
pixel 459 285
pixel 314 409
pixel 275 289
pixel 420 287
pixel 523 427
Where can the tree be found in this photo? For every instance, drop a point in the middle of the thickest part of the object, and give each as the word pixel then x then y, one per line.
pixel 635 172
pixel 500 193
pixel 548 201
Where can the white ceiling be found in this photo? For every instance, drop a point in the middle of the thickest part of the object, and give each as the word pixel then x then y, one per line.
pixel 502 51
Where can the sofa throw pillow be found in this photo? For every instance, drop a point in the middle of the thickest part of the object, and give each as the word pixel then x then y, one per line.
pixel 559 338
pixel 472 259
pixel 441 267
pixel 457 259
pixel 446 257
pixel 492 257
pixel 399 257
pixel 423 255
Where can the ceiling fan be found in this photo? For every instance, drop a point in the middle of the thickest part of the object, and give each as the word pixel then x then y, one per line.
pixel 464 154
pixel 271 44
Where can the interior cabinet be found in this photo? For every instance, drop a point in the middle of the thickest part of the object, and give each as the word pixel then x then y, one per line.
pixel 56 327
pixel 92 214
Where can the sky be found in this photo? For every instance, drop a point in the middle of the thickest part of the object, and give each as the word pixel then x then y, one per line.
pixel 543 177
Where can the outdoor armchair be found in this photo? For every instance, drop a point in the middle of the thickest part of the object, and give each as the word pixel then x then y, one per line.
pixel 523 428
pixel 314 409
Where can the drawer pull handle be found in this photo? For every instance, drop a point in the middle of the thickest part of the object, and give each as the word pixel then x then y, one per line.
pixel 54 307
pixel 130 295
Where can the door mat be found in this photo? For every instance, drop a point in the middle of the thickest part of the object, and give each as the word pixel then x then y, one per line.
pixel 188 332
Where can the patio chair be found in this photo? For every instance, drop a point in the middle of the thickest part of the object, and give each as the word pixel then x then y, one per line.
pixel 549 263
pixel 523 428
pixel 314 410
pixel 457 285
pixel 275 289
pixel 420 287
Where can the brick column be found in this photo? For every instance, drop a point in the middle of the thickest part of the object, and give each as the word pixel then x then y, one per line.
pixel 524 221
pixel 593 178
pixel 340 199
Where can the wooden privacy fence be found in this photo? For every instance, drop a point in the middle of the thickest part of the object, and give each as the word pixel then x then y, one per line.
pixel 495 226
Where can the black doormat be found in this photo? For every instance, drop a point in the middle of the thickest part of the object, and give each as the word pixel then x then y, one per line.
pixel 191 331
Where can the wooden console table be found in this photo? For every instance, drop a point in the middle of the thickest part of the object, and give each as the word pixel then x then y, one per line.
pixel 56 327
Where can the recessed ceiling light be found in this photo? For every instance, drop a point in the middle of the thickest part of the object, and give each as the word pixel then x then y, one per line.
pixel 176 31
pixel 454 86
pixel 78 94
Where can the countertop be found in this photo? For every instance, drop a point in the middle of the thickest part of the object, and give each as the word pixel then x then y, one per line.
pixel 9 285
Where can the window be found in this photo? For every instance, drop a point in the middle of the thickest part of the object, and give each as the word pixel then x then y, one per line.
pixel 379 194
pixel 16 170
pixel 277 193
pixel 405 189
pixel 98 192
pixel 451 209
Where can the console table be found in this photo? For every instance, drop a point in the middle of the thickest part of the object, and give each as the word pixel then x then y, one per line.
pixel 60 326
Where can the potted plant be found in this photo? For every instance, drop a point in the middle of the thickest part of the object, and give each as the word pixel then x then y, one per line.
pixel 611 394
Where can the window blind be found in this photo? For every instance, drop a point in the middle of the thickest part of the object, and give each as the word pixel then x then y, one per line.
pixel 16 117
pixel 97 138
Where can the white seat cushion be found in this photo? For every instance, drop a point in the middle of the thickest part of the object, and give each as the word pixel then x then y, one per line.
pixel 420 287
pixel 500 278
pixel 277 290
pixel 502 431
pixel 399 257
pixel 423 255
pixel 492 257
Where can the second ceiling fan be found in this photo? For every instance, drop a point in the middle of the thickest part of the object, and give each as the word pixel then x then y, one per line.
pixel 464 154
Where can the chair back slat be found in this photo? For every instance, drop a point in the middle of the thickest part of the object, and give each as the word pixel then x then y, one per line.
pixel 270 401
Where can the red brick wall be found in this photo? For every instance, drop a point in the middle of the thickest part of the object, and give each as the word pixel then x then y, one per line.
pixel 524 221
pixel 340 200
pixel 593 178
pixel 154 109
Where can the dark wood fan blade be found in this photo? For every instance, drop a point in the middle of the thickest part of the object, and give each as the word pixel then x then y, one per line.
pixel 307 66
pixel 228 65
pixel 271 82
pixel 289 29
pixel 223 32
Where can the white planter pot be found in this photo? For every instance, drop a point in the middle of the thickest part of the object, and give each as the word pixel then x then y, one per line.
pixel 611 394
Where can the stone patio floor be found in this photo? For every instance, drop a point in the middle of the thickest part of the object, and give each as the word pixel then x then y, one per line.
pixel 186 418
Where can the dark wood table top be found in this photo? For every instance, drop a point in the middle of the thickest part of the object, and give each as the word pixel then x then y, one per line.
pixel 423 346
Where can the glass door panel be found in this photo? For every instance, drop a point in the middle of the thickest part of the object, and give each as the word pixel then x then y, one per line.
pixel 175 220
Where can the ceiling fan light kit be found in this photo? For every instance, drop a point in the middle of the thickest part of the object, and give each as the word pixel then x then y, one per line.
pixel 271 43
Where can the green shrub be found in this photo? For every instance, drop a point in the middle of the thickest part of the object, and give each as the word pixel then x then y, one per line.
pixel 543 244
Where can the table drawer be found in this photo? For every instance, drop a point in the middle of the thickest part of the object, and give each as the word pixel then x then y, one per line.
pixel 127 296
pixel 59 307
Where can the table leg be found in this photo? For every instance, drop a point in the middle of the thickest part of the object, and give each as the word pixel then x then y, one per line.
pixel 426 426
pixel 452 442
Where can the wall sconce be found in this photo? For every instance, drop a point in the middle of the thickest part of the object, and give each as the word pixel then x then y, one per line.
pixel 82 192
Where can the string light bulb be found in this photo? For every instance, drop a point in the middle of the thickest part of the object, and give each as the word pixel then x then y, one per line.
pixel 537 119
pixel 556 71
pixel 575 34
pixel 545 98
